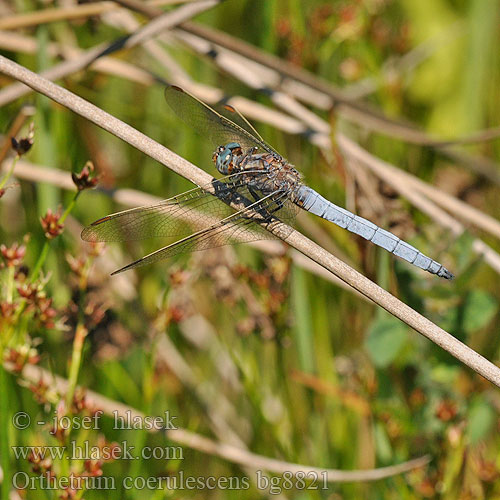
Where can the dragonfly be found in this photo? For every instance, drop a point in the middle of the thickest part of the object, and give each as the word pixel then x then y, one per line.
pixel 260 190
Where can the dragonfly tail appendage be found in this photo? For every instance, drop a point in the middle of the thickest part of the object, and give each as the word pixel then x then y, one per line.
pixel 313 202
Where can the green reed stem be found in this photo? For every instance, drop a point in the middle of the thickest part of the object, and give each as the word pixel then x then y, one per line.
pixel 70 207
pixel 41 259
pixel 4 431
pixel 10 283
pixel 45 250
pixel 76 358
pixel 9 173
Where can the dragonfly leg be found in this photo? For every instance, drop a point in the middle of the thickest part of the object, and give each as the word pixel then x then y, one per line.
pixel 222 190
pixel 254 194
pixel 279 205
pixel 247 156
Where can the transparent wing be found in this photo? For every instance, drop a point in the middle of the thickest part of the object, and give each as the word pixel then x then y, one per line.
pixel 247 224
pixel 173 217
pixel 207 122
pixel 178 215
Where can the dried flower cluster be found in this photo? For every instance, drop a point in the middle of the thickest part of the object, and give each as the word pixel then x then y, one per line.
pixel 86 179
pixel 13 255
pixel 23 145
pixel 51 225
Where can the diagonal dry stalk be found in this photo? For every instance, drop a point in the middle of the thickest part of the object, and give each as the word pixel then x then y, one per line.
pixel 295 239
pixel 362 113
pixel 326 96
pixel 278 120
pixel 228 452
pixel 18 43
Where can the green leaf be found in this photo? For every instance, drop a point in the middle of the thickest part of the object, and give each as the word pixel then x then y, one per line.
pixel 385 340
pixel 479 309
pixel 303 327
pixel 480 422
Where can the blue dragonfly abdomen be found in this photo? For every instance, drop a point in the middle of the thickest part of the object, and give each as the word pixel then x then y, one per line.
pixel 313 202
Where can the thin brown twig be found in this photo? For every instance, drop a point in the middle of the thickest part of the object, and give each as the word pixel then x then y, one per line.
pixel 147 10
pixel 295 239
pixel 228 452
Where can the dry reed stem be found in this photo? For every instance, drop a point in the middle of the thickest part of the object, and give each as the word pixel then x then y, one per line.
pixel 179 165
pixel 254 110
pixel 236 66
pixel 323 94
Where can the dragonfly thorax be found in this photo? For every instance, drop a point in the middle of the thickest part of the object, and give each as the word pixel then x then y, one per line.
pixel 224 157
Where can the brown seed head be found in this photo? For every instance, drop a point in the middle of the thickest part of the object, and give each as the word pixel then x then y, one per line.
pixel 13 255
pixel 51 225
pixel 23 145
pixel 86 178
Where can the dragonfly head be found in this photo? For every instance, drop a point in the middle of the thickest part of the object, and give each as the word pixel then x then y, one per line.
pixel 224 155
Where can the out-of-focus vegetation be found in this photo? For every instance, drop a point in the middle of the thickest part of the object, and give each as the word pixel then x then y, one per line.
pixel 260 353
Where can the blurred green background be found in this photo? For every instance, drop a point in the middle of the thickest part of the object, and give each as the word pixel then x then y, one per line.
pixel 259 351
